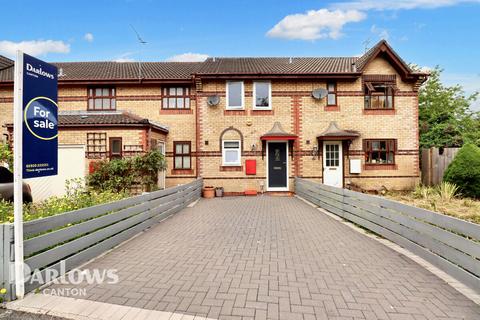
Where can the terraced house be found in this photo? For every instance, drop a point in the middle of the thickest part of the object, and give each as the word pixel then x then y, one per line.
pixel 246 123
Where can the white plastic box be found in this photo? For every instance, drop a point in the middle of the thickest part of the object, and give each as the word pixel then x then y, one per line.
pixel 355 166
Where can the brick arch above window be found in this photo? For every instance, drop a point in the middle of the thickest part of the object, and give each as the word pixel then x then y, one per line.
pixel 224 135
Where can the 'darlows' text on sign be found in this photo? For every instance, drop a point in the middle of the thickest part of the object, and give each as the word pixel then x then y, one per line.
pixel 39 71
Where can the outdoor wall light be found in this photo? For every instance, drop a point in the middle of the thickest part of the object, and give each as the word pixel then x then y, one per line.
pixel 206 142
pixel 254 147
pixel 314 152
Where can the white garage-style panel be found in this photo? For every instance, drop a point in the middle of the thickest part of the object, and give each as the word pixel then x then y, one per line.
pixel 71 164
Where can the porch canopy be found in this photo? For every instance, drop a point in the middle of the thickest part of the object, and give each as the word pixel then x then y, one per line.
pixel 333 132
pixel 278 134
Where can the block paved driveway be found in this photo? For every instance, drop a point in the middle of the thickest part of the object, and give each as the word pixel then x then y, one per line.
pixel 271 258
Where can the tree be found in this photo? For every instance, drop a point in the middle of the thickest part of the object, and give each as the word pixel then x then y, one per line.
pixel 445 117
pixel 464 171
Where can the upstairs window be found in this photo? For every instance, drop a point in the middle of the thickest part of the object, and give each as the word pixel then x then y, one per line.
pixel 231 153
pixel 262 95
pixel 380 151
pixel 378 96
pixel 182 155
pixel 332 94
pixel 176 98
pixel 101 99
pixel 235 95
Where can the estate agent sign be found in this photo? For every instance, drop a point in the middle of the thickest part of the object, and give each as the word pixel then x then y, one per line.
pixel 40 118
pixel 35 143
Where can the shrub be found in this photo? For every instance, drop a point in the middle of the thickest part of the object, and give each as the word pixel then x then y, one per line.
pixel 464 171
pixel 447 191
pixel 6 155
pixel 77 196
pixel 423 192
pixel 123 174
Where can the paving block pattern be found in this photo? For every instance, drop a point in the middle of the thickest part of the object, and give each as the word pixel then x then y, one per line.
pixel 270 258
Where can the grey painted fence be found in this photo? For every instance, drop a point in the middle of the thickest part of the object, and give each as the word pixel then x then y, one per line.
pixel 450 244
pixel 77 236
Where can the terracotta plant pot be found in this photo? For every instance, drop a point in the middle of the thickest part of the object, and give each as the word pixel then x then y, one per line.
pixel 208 192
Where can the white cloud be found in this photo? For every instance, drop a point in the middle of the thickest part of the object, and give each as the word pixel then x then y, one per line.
pixel 329 22
pixel 125 57
pixel 365 5
pixel 124 60
pixel 315 24
pixel 188 57
pixel 380 32
pixel 88 37
pixel 33 47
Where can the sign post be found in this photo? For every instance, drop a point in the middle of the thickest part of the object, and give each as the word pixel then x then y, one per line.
pixel 35 143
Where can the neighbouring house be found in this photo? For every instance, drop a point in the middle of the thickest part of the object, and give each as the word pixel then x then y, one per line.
pixel 247 123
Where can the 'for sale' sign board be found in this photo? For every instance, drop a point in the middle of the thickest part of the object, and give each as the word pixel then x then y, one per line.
pixel 40 118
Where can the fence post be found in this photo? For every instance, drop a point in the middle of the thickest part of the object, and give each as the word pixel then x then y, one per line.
pixel 7 260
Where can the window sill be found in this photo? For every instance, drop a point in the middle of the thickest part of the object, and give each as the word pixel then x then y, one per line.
pixel 332 108
pixel 262 112
pixel 176 111
pixel 182 171
pixel 231 168
pixel 101 110
pixel 379 111
pixel 376 166
pixel 239 112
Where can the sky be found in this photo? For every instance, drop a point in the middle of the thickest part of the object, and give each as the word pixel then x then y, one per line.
pixel 424 32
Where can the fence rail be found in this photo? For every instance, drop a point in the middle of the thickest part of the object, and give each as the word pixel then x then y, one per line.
pixel 451 244
pixel 77 236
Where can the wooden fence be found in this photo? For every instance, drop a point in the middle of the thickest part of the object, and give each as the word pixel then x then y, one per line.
pixel 450 244
pixel 75 237
pixel 434 163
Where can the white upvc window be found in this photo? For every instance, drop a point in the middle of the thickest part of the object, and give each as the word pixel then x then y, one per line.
pixel 231 152
pixel 235 95
pixel 262 95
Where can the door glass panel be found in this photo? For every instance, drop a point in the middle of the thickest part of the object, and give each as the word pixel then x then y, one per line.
pixel 332 155
pixel 116 146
